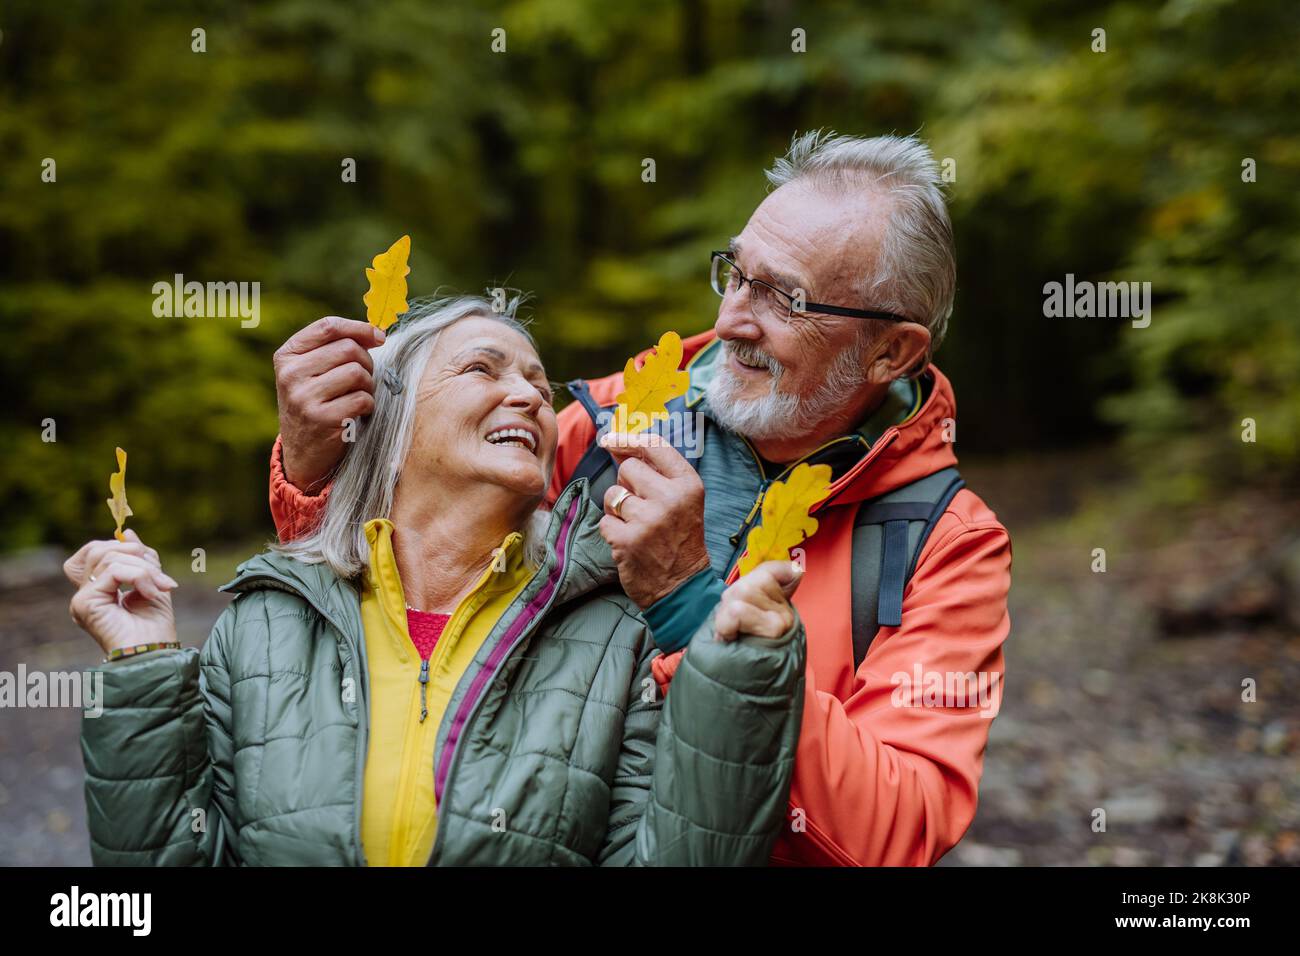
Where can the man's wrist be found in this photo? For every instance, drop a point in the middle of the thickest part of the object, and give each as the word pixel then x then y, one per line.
pixel 305 485
pixel 701 565
pixel 674 618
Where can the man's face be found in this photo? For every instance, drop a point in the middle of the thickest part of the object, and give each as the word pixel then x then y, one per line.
pixel 781 378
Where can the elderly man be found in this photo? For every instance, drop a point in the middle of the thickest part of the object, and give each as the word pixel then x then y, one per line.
pixel 834 298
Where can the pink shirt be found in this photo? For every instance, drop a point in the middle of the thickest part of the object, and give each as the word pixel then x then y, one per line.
pixel 425 627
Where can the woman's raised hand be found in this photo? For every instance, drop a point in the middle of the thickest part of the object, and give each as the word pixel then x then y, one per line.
pixel 112 616
pixel 759 603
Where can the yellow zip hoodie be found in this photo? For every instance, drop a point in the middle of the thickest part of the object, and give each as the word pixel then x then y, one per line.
pixel 398 810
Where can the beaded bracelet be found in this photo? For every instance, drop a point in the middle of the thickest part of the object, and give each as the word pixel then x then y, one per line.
pixel 117 653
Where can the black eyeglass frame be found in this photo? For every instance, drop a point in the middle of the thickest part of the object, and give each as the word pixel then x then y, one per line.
pixel 818 307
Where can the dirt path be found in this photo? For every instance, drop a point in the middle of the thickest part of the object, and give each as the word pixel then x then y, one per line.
pixel 1101 711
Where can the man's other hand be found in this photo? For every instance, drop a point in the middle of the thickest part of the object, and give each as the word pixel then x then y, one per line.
pixel 323 376
pixel 654 517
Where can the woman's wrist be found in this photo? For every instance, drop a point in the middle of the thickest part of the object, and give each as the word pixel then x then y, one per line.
pixel 131 650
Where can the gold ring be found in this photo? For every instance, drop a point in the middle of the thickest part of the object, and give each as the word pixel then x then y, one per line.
pixel 616 505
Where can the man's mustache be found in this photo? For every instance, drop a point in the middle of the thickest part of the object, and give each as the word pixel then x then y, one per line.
pixel 751 354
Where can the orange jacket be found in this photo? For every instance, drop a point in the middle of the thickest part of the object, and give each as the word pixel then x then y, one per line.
pixel 875 783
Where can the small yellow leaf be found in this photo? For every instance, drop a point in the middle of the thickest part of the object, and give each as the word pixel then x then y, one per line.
pixel 386 299
pixel 786 522
pixel 648 390
pixel 117 505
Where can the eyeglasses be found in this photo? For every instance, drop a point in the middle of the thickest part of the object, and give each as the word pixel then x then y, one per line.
pixel 769 302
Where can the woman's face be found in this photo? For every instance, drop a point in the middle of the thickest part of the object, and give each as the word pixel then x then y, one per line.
pixel 483 412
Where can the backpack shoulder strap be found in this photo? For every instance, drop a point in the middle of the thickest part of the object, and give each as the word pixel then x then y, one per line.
pixel 596 461
pixel 596 464
pixel 889 533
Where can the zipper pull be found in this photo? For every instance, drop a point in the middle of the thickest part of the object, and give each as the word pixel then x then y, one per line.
pixel 424 688
pixel 749 518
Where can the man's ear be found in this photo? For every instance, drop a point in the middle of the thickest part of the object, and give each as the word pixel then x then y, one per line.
pixel 899 352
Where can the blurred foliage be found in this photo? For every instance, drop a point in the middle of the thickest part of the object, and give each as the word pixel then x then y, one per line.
pixel 524 168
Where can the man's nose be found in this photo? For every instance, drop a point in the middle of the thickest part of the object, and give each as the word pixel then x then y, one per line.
pixel 736 319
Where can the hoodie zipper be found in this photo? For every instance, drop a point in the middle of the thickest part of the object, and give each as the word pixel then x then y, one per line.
pixel 363 723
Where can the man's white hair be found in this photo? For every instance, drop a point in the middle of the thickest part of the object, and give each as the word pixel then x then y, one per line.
pixel 916 275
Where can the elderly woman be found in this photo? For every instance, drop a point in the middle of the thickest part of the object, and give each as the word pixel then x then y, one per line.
pixel 441 673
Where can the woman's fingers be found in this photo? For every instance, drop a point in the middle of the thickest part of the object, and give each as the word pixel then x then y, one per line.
pixel 112 557
pixel 759 603
pixel 128 571
pixel 132 572
pixel 156 574
pixel 92 554
pixel 149 553
pixel 725 622
pixel 769 585
pixel 737 617
pixel 101 570
pixel 77 567
pixel 776 579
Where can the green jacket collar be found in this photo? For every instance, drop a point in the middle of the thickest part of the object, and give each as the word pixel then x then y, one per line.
pixel 590 564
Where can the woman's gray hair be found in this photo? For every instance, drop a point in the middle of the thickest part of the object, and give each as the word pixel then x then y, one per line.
pixel 365 481
pixel 917 272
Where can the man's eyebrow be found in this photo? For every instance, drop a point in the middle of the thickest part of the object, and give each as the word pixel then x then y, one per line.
pixel 784 279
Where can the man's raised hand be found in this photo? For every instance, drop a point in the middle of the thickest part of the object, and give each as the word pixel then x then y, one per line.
pixel 323 376
pixel 656 530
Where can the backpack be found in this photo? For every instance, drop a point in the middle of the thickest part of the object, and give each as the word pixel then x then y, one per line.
pixel 889 532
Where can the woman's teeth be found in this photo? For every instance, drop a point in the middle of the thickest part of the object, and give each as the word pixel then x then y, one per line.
pixel 512 436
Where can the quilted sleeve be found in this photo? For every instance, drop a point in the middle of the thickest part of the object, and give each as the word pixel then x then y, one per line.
pixel 706 772
pixel 634 774
pixel 159 759
pixel 726 751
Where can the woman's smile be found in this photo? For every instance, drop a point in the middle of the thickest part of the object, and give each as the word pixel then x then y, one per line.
pixel 514 437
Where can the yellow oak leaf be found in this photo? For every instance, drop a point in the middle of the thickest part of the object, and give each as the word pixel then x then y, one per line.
pixel 786 522
pixel 117 505
pixel 386 299
pixel 648 390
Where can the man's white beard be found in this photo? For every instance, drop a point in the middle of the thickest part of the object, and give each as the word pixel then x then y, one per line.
pixel 777 415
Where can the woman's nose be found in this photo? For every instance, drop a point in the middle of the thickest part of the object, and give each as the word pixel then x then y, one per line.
pixel 525 397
